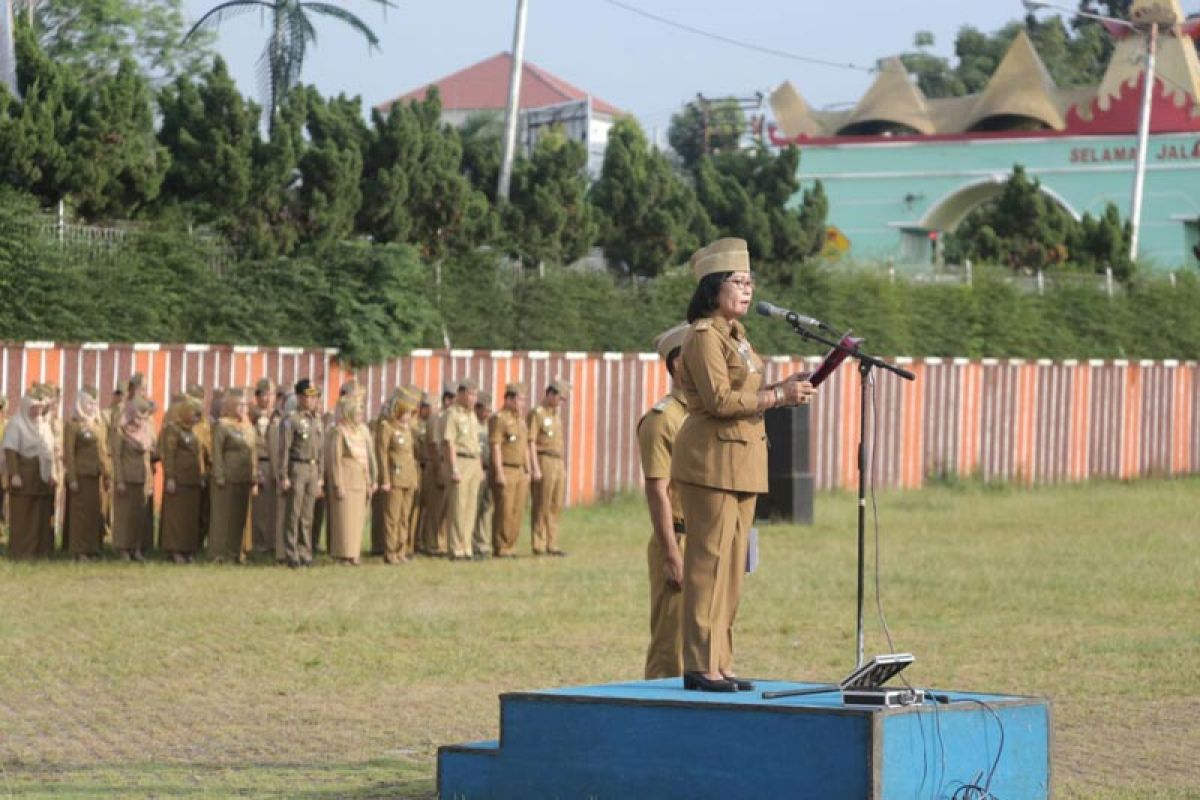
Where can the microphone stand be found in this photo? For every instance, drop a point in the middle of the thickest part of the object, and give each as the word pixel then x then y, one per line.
pixel 866 363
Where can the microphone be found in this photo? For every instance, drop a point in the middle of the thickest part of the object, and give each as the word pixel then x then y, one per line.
pixel 772 310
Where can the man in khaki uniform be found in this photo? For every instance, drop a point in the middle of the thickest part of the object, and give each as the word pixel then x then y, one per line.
pixel 460 451
pixel 481 540
pixel 508 439
pixel 262 416
pixel 549 472
pixel 301 472
pixel 435 478
pixel 664 555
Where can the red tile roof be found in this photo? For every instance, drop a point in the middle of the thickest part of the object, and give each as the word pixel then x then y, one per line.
pixel 485 86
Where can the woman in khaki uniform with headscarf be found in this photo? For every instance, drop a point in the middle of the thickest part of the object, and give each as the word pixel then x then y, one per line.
pixel 184 472
pixel 29 464
pixel 133 471
pixel 719 462
pixel 87 468
pixel 399 473
pixel 233 477
pixel 350 464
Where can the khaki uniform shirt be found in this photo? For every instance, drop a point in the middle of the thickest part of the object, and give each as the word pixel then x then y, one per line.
pixel 656 433
pixel 301 441
pixel 723 442
pixel 234 450
pixel 545 426
pixel 507 429
pixel 396 451
pixel 461 430
pixel 182 456
pixel 262 443
pixel 85 450
pixel 420 432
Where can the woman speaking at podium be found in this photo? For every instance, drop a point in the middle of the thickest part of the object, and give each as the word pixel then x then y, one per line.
pixel 719 462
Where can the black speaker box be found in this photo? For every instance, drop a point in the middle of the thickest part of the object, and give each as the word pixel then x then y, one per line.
pixel 789 468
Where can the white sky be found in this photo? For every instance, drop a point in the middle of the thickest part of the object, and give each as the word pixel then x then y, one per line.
pixel 635 63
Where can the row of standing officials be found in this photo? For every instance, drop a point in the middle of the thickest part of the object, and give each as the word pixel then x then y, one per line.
pixel 268 472
pixel 256 476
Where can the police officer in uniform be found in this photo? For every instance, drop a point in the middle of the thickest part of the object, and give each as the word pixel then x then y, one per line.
pixel 719 462
pixel 301 472
pixel 460 452
pixel 508 439
pixel 481 540
pixel 549 473
pixel 262 415
pixel 656 437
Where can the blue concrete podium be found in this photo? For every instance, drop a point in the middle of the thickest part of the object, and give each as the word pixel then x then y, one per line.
pixel 652 739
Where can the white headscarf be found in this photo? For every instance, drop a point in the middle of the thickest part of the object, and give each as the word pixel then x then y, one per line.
pixel 31 438
pixel 87 405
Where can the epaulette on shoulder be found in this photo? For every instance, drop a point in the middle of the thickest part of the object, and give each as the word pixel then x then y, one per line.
pixel 702 325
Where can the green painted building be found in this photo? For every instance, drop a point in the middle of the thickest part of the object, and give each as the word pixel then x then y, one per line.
pixel 900 169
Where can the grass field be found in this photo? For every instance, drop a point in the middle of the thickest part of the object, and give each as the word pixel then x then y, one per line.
pixel 123 680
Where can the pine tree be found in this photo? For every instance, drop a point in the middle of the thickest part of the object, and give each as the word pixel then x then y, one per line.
pixel 548 215
pixel 211 132
pixel 652 218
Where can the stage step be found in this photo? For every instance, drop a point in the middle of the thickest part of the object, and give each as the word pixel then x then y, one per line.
pixel 652 739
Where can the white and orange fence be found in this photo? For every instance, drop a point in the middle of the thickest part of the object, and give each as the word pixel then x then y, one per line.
pixel 1000 419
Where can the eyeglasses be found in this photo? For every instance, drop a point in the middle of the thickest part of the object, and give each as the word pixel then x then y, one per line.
pixel 741 284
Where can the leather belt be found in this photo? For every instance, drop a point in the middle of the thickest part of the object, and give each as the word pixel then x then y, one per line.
pixel 520 465
pixel 311 461
pixel 549 453
pixel 466 455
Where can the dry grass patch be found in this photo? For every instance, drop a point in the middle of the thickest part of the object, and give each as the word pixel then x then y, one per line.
pixel 157 680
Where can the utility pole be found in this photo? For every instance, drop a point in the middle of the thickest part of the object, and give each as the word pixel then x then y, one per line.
pixel 512 112
pixel 713 124
pixel 8 51
pixel 1139 174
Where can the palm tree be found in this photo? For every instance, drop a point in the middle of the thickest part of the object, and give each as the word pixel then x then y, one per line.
pixel 291 32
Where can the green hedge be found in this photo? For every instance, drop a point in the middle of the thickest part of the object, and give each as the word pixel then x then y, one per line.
pixel 379 301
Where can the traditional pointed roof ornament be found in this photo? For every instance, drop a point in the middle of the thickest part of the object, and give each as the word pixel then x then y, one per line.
pixel 892 98
pixel 792 114
pixel 1020 87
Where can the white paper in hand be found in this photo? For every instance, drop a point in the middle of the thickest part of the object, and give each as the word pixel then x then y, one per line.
pixel 752 551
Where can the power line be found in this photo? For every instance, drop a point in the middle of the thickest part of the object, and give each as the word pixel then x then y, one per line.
pixel 738 42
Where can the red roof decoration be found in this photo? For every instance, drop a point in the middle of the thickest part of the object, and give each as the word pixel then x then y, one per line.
pixel 1123 112
pixel 484 86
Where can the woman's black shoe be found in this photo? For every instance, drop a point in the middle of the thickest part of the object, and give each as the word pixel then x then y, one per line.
pixel 741 684
pixel 697 681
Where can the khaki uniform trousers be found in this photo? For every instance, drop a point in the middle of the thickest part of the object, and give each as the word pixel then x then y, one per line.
pixel 664 656
pixel 433 538
pixel 714 564
pixel 510 500
pixel 263 510
pixel 462 503
pixel 548 496
pixel 230 516
pixel 300 510
pixel 280 524
pixel 481 541
pixel 397 518
pixel 415 514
